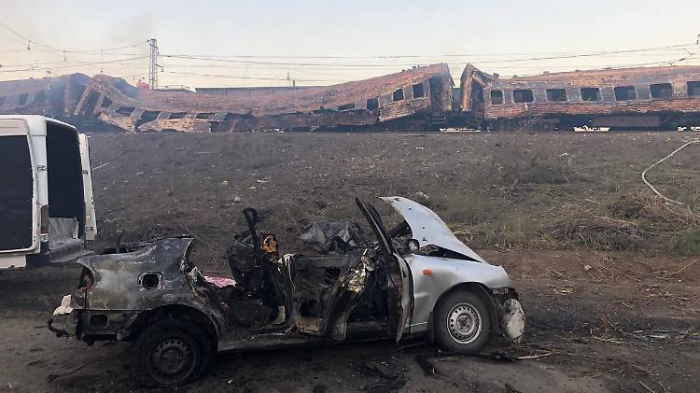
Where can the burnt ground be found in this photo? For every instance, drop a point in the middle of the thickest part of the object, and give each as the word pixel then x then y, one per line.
pixel 608 275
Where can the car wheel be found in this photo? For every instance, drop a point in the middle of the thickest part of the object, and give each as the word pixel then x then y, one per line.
pixel 172 352
pixel 462 322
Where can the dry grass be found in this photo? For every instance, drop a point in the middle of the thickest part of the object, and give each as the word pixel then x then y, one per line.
pixel 532 191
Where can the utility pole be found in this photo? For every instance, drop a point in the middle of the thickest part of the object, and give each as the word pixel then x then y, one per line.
pixel 153 64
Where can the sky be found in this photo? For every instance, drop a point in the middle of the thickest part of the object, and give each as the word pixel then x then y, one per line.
pixel 268 43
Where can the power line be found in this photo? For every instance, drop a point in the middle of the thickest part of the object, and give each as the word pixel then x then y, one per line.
pixel 243 77
pixel 552 55
pixel 29 41
pixel 74 65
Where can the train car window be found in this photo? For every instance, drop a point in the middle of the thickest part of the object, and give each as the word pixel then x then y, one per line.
pixel 497 97
pixel 520 96
pixel 418 91
pixel 694 88
pixel 625 93
pixel 590 94
pixel 398 95
pixel 346 107
pixel 556 95
pixel 661 90
pixel 373 104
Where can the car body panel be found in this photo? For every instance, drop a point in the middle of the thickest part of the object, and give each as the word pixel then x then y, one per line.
pixel 446 273
pixel 428 228
pixel 120 281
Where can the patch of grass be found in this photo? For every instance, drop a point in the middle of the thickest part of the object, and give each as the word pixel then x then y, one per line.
pixel 472 209
pixel 687 242
pixel 599 233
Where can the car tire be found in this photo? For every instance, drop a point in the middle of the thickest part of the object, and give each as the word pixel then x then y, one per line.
pixel 462 322
pixel 172 352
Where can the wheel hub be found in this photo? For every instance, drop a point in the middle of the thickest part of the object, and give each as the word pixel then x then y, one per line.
pixel 171 357
pixel 464 323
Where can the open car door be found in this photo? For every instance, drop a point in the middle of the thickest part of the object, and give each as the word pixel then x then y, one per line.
pixel 90 220
pixel 401 304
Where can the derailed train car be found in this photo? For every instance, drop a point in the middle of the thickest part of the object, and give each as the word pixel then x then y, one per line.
pixel 418 97
pixel 632 98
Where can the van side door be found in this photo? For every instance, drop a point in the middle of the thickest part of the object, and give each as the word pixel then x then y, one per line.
pixel 19 214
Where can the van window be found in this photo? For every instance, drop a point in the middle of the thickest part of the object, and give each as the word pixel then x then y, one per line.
pixel 65 181
pixel 16 191
pixel 521 96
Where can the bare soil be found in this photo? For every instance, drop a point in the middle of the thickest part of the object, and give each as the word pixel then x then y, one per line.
pixel 608 276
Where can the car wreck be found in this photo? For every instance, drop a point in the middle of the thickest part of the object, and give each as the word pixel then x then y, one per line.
pixel 413 280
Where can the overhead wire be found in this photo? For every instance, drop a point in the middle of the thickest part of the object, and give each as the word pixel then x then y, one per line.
pixel 306 68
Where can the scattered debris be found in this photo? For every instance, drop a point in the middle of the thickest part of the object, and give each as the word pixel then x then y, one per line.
pixel 591 129
pixel 338 237
pixel 388 376
pixel 426 364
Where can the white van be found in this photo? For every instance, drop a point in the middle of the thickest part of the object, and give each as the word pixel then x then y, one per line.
pixel 46 204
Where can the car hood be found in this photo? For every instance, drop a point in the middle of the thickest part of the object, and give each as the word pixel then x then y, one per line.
pixel 428 228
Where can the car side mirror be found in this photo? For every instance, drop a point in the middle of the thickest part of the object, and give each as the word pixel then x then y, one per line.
pixel 412 245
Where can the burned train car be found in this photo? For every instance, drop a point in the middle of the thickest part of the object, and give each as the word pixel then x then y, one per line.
pixel 633 98
pixel 419 96
pixel 54 97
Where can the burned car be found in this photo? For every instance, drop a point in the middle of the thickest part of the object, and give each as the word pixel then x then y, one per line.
pixel 414 280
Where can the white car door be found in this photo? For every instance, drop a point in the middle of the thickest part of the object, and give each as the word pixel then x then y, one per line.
pixel 90 220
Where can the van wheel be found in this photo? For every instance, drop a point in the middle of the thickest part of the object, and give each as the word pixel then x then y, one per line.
pixel 172 352
pixel 462 322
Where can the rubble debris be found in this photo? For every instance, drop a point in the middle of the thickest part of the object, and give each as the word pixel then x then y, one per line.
pixel 220 282
pixel 426 364
pixel 388 376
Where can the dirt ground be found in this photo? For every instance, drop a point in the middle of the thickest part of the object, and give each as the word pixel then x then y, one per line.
pixel 608 276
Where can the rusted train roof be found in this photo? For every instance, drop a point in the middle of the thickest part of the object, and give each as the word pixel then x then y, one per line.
pixel 302 100
pixel 605 77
